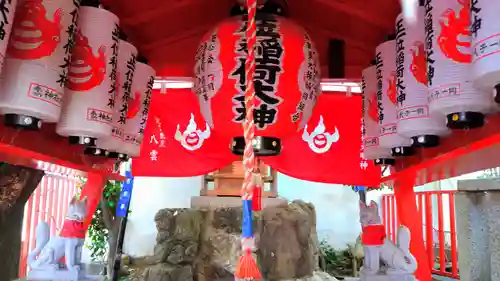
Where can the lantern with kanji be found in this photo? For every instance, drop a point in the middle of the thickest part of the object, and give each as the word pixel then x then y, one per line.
pixel 6 23
pixel 89 102
pixel 449 56
pixel 414 120
pixel 286 80
pixel 370 130
pixel 138 107
pixel 113 146
pixel 385 65
pixel 485 31
pixel 35 69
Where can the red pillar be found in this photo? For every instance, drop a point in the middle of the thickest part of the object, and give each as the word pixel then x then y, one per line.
pixel 410 217
pixel 93 191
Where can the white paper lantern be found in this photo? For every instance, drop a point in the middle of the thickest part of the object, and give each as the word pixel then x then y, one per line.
pixel 485 29
pixel 385 65
pixel 371 128
pixel 142 90
pixel 6 23
pixel 91 89
pixel 36 66
pixel 114 145
pixel 449 59
pixel 414 119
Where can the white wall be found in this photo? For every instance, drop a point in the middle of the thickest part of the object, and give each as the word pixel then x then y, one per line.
pixel 149 196
pixel 336 205
pixel 337 208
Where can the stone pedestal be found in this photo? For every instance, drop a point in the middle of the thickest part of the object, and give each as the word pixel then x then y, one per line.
pixel 61 275
pixel 402 277
pixel 477 207
pixel 384 277
pixel 208 202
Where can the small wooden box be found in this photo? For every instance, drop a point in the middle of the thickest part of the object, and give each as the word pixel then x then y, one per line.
pixel 228 180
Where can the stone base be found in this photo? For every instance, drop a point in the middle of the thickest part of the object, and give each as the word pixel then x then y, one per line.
pixel 49 274
pixel 207 202
pixel 384 277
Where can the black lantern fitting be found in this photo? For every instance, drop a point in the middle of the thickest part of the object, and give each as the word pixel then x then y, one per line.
pixel 465 120
pixel 262 146
pixel 142 59
pixel 402 151
pixel 91 3
pixel 384 161
pixel 117 155
pixel 94 151
pixel 82 140
pixel 497 93
pixel 425 141
pixel 22 121
pixel 278 8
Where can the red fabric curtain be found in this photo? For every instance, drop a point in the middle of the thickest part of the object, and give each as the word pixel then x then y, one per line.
pixel 329 149
pixel 177 141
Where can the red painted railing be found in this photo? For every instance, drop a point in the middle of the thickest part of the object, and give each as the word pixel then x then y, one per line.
pixel 437 209
pixel 48 203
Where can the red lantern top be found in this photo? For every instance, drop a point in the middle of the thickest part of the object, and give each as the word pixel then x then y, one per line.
pixel 287 77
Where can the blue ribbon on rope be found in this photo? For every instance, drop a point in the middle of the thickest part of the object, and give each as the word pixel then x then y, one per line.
pixel 359 188
pixel 247 231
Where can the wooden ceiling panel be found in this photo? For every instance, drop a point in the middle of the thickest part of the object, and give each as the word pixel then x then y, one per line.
pixel 169 31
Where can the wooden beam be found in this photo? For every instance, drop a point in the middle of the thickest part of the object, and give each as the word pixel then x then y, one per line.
pixel 351 42
pixel 369 16
pixel 198 31
pixel 234 177
pixel 170 8
pixel 22 147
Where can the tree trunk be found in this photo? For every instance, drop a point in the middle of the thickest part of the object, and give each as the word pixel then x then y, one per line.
pixel 17 183
pixel 112 224
pixel 110 262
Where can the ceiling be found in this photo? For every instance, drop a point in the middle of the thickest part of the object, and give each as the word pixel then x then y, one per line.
pixel 168 32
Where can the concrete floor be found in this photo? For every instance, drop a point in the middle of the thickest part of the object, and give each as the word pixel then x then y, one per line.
pixel 441 278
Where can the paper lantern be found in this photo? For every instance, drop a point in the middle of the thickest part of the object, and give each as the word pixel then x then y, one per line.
pixel 138 107
pixel 485 30
pixel 286 79
pixel 36 66
pixel 90 92
pixel 113 146
pixel 370 125
pixel 6 23
pixel 385 65
pixel 414 119
pixel 449 56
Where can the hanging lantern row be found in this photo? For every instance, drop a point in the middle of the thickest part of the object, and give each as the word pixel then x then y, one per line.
pixel 436 74
pixel 77 71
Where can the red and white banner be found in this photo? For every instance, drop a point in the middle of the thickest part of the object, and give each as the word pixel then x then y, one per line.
pixel 329 149
pixel 177 141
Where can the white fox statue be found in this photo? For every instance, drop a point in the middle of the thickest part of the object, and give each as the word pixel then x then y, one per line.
pixel 398 259
pixel 44 260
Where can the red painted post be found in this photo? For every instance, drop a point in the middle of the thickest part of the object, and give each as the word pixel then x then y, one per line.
pixel 429 229
pixel 408 216
pixel 453 234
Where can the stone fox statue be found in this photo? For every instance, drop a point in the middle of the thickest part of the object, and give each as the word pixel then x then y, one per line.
pixel 68 243
pixel 398 258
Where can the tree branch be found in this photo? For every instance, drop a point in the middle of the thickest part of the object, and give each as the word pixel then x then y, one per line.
pixel 106 215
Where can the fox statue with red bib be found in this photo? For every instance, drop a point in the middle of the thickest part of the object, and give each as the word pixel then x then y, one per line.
pixel 45 259
pixel 400 263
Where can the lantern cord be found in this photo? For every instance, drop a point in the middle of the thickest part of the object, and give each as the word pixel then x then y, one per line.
pixel 247 268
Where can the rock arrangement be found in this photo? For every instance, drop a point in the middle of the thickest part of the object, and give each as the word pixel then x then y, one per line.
pixel 204 245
